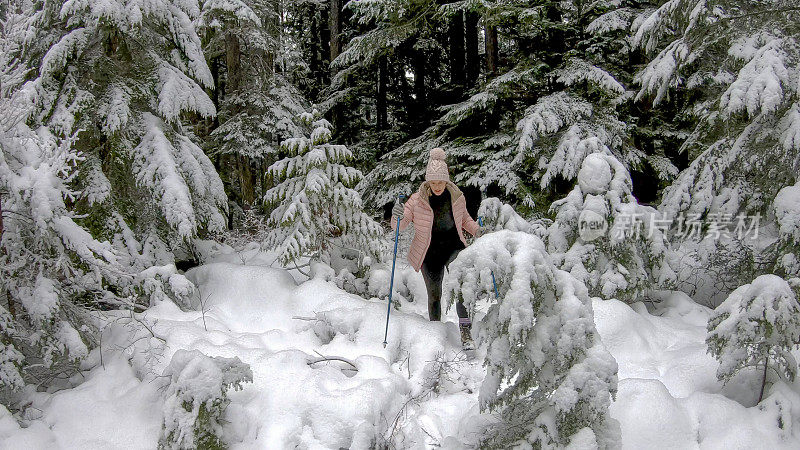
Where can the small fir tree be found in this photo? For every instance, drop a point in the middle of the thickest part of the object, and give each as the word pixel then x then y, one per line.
pixel 757 326
pixel 316 212
pixel 196 399
pixel 603 237
pixel 548 374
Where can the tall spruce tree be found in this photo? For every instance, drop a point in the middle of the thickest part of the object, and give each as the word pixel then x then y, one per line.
pixel 104 179
pixel 735 66
pixel 256 102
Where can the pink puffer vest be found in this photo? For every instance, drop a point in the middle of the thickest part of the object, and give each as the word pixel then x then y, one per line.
pixel 418 210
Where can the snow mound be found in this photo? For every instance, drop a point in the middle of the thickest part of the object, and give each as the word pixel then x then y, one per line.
pixel 418 392
pixel 595 175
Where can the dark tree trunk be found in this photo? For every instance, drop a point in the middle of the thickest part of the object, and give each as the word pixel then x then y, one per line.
pixel 246 180
pixel 456 37
pixel 324 46
pixel 335 27
pixel 1 218
pixel 211 123
pixel 382 121
pixel 314 60
pixel 419 85
pixel 763 380
pixel 492 53
pixel 555 39
pixel 471 40
pixel 233 59
pixel 271 23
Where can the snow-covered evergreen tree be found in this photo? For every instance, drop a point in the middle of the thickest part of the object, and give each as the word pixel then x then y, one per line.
pixel 497 215
pixel 258 103
pixel 787 211
pixel 533 124
pixel 735 65
pixel 196 398
pixel 316 211
pixel 757 326
pixel 605 238
pixel 125 73
pixel 548 374
pixel 101 179
pixel 42 249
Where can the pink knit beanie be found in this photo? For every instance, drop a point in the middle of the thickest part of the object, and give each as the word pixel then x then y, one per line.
pixel 437 168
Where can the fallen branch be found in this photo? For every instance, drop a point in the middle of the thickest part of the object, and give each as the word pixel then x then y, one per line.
pixel 331 358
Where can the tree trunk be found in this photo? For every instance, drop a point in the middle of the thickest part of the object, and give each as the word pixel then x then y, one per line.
pixel 763 380
pixel 382 121
pixel 492 53
pixel 419 84
pixel 456 33
pixel 336 27
pixel 471 40
pixel 233 59
pixel 314 60
pixel 272 25
pixel 246 180
pixel 1 218
pixel 212 123
pixel 324 46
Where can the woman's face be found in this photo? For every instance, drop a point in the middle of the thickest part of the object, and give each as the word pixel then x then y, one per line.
pixel 437 186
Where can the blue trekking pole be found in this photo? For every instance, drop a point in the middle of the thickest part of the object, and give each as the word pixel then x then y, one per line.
pixel 494 283
pixel 391 283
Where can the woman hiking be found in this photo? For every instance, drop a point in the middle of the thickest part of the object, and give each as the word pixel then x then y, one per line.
pixel 439 213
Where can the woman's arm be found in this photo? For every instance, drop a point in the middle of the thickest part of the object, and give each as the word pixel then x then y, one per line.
pixel 466 220
pixel 470 225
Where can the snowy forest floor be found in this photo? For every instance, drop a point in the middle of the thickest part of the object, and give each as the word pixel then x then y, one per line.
pixel 418 392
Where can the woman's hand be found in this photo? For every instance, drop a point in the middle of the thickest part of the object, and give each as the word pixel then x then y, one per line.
pixel 397 211
pixel 478 232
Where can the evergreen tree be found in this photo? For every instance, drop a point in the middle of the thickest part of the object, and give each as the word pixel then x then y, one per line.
pixel 393 74
pixel 757 326
pixel 125 73
pixel 103 179
pixel 257 104
pixel 605 238
pixel 559 96
pixel 316 213
pixel 734 64
pixel 548 374
pixel 787 211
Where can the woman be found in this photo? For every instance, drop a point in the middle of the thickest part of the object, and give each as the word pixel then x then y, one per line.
pixel 439 213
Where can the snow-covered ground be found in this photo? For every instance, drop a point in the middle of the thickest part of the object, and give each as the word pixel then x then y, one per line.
pixel 418 392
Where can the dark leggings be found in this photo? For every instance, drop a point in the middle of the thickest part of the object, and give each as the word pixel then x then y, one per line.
pixel 433 283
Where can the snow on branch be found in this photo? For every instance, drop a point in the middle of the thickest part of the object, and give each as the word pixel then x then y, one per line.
pixel 760 85
pixel 577 70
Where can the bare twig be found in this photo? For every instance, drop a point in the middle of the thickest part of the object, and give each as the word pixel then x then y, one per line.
pixel 203 306
pixel 310 319
pixel 331 358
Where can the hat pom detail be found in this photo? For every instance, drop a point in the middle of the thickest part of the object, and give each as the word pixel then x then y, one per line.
pixel 437 154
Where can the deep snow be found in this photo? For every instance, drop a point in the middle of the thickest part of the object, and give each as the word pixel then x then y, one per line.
pixel 419 391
